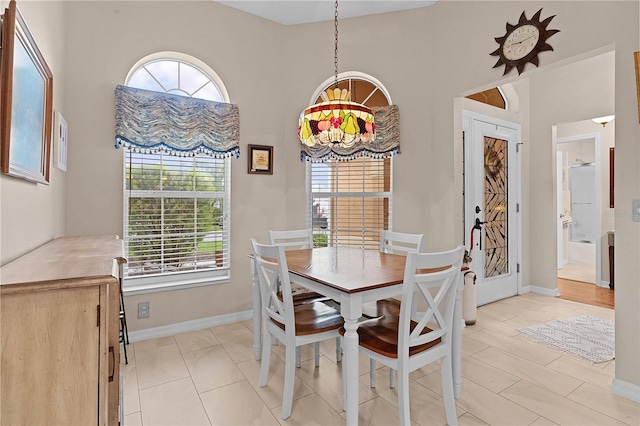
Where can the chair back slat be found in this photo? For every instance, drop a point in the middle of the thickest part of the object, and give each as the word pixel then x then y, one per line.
pixel 400 243
pixel 273 277
pixel 436 289
pixel 292 239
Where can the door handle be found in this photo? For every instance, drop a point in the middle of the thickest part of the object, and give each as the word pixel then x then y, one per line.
pixel 112 363
pixel 478 226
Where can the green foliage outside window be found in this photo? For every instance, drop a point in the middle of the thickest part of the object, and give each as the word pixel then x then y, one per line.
pixel 172 222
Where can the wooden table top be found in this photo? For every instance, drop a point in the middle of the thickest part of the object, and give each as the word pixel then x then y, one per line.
pixel 347 269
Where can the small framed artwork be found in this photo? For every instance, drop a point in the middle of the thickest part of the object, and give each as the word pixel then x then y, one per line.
pixel 260 159
pixel 60 142
pixel 636 57
pixel 611 158
pixel 26 102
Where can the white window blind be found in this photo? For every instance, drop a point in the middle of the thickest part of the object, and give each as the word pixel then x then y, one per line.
pixel 176 213
pixel 349 202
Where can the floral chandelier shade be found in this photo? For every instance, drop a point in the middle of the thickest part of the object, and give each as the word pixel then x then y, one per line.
pixel 386 144
pixel 336 121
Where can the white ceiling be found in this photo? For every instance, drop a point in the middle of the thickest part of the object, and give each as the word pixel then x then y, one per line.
pixel 289 12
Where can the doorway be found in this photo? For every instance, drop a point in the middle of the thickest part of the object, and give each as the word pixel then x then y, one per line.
pixel 579 212
pixel 492 200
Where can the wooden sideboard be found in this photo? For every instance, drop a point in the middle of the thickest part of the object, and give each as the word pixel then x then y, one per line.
pixel 59 318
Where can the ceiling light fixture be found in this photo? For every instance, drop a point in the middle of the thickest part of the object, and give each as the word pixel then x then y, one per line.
pixel 336 120
pixel 604 120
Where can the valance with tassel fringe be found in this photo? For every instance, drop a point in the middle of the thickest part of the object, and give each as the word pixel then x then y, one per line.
pixel 150 122
pixel 386 144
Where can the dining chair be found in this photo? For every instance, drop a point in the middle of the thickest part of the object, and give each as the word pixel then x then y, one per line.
pixel 295 239
pixel 292 324
pixel 394 243
pixel 414 338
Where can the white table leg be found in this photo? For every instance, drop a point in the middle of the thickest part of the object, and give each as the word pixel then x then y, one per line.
pixel 351 311
pixel 257 308
pixel 456 342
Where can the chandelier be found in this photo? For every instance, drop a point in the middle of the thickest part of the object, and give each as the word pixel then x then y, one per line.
pixel 336 120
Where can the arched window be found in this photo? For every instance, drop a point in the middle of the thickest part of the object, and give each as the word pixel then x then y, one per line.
pixel 350 202
pixel 176 202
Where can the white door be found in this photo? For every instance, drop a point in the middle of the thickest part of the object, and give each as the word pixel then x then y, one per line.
pixel 492 197
pixel 560 209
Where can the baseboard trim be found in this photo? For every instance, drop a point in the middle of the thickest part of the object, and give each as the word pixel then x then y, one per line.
pixel 551 292
pixel 186 326
pixel 625 390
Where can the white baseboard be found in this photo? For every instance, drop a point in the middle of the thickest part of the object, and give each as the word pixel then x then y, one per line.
pixel 552 292
pixel 625 390
pixel 184 327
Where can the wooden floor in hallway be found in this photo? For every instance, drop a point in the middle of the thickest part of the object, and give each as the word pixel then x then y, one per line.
pixel 584 292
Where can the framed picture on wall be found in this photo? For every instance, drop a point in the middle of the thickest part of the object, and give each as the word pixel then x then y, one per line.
pixel 611 158
pixel 60 142
pixel 636 57
pixel 260 159
pixel 26 102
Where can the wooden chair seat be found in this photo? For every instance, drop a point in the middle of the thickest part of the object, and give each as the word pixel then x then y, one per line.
pixel 381 307
pixel 380 335
pixel 314 317
pixel 304 295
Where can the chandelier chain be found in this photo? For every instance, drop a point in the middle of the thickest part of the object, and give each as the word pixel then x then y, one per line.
pixel 335 32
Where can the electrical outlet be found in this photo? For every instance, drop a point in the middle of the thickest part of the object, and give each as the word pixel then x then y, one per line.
pixel 143 310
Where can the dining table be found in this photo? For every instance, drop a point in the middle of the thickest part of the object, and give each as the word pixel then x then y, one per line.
pixel 352 277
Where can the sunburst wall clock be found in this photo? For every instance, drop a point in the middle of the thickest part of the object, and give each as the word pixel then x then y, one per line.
pixel 522 42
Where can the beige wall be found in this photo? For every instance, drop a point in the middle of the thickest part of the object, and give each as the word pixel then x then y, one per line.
pixel 32 214
pixel 426 58
pixel 104 42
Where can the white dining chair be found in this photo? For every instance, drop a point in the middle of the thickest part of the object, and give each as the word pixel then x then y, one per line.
pixel 292 239
pixel 417 338
pixel 395 243
pixel 296 239
pixel 292 324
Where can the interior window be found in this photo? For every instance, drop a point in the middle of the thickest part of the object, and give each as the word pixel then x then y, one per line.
pixel 176 207
pixel 350 202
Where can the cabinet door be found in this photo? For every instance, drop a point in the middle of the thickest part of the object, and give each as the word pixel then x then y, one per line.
pixel 50 357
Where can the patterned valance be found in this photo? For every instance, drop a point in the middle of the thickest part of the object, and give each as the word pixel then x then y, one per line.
pixel 148 121
pixel 386 144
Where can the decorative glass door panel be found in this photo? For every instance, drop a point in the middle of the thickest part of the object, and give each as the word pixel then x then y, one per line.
pixel 496 241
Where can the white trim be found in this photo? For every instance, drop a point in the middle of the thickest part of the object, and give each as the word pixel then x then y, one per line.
pixel 164 282
pixel 551 292
pixel 187 326
pixel 625 390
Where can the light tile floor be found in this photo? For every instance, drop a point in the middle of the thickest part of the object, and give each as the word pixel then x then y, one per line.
pixel 578 272
pixel 211 377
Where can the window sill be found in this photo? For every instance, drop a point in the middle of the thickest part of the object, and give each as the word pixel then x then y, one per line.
pixel 159 283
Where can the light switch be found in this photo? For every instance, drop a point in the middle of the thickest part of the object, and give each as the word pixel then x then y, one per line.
pixel 635 210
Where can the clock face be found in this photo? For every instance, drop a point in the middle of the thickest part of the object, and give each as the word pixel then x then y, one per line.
pixel 520 42
pixel 523 42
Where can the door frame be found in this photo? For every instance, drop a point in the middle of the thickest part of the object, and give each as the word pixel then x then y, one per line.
pixel 469 217
pixel 598 161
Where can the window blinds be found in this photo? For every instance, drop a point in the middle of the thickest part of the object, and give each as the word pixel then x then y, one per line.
pixel 176 217
pixel 350 201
